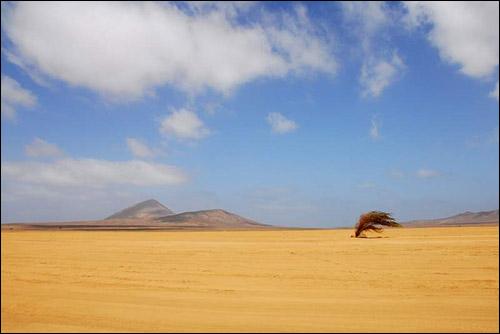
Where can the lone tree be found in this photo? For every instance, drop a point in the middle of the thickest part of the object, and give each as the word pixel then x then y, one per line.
pixel 373 221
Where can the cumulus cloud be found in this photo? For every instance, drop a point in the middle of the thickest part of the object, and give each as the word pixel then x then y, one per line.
pixel 91 173
pixel 378 74
pixel 375 129
pixel 427 173
pixel 139 149
pixel 184 124
pixel 465 33
pixel 40 148
pixel 13 95
pixel 494 92
pixel 280 124
pixel 127 49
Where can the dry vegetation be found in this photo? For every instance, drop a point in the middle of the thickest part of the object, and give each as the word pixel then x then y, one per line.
pixel 373 221
pixel 428 279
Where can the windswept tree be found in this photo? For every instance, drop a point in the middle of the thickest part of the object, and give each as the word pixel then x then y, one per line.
pixel 374 221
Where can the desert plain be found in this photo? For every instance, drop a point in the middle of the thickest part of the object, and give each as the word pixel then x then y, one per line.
pixel 408 279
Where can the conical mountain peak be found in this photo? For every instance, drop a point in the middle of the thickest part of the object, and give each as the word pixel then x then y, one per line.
pixel 150 208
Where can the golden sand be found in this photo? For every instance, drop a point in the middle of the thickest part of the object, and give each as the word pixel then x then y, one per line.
pixel 429 279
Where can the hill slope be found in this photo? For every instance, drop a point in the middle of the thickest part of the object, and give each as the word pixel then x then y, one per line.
pixel 210 218
pixel 146 210
pixel 466 218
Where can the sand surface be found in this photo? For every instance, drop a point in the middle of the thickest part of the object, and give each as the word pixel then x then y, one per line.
pixel 428 279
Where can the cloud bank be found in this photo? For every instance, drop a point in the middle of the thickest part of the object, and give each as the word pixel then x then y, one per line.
pixel 92 173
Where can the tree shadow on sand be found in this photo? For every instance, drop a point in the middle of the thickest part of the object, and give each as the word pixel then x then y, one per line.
pixel 370 237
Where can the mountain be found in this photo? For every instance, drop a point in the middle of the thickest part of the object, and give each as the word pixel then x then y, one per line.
pixel 210 218
pixel 145 210
pixel 466 218
pixel 123 220
pixel 151 215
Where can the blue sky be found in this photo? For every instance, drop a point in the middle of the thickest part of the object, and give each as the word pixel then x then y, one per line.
pixel 298 114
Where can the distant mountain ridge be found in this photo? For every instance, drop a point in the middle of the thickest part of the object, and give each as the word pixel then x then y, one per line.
pixel 152 213
pixel 146 209
pixel 465 218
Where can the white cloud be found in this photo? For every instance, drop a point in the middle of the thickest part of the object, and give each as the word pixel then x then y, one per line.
pixel 378 74
pixel 33 73
pixel 367 20
pixel 494 92
pixel 13 95
pixel 465 33
pixel 375 129
pixel 294 39
pixel 139 149
pixel 427 173
pixel 127 49
pixel 280 124
pixel 91 173
pixel 40 148
pixel 366 17
pixel 229 8
pixel 184 124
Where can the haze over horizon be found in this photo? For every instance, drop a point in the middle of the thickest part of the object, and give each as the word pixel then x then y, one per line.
pixel 292 114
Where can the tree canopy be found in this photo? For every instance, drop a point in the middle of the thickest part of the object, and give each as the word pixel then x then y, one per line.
pixel 374 221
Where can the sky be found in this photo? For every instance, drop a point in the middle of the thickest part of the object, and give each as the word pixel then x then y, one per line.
pixel 288 113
